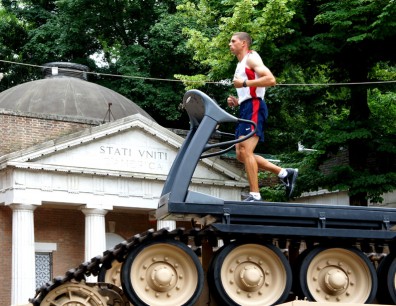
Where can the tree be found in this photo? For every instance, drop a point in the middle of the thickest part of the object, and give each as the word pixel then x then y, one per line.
pixel 315 42
pixel 44 35
pixel 354 37
pixel 139 41
pixel 13 36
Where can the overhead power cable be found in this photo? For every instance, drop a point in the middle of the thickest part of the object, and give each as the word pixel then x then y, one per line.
pixel 222 82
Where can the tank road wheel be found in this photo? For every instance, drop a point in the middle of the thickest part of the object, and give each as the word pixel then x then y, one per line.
pixel 346 275
pixel 112 275
pixel 113 294
pixel 250 274
pixel 387 280
pixel 74 294
pixel 162 273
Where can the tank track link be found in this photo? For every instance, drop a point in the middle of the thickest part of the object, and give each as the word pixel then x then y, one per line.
pixel 119 253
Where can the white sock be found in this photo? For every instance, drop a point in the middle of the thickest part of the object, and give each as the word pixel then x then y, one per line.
pixel 256 195
pixel 282 173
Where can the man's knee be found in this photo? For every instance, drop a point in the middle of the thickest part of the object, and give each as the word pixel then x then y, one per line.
pixel 242 153
pixel 240 157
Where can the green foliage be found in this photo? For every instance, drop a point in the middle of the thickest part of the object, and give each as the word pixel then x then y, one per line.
pixel 376 176
pixel 142 41
pixel 192 82
pixel 323 42
pixel 212 32
pixel 13 35
pixel 273 194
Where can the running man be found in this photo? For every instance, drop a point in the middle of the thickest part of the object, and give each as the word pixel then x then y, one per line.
pixel 250 79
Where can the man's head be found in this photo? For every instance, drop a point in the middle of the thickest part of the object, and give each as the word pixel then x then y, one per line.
pixel 240 41
pixel 244 37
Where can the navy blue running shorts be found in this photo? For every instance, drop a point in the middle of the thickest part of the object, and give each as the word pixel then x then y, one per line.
pixel 256 110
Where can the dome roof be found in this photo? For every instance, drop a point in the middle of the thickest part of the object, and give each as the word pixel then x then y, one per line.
pixel 67 93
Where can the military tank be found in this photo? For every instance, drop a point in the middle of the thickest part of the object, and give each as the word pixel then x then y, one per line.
pixel 234 252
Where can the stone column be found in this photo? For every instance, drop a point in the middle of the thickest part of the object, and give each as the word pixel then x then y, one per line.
pixel 171 225
pixel 95 234
pixel 23 284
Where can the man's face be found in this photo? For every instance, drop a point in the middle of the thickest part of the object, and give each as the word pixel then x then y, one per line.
pixel 235 45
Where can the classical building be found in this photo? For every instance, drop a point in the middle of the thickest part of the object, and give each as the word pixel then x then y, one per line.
pixel 81 169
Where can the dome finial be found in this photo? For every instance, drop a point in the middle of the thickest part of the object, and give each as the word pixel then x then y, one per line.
pixel 65 70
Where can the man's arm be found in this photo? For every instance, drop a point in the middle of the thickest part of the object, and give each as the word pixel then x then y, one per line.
pixel 232 101
pixel 265 79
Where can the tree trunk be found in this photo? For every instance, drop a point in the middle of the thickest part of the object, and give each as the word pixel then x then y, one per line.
pixel 359 113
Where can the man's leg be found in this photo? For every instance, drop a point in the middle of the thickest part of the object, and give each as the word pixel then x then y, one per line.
pixel 266 165
pixel 287 176
pixel 244 151
pixel 252 162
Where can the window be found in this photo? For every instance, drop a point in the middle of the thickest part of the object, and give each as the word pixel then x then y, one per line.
pixel 44 262
pixel 43 268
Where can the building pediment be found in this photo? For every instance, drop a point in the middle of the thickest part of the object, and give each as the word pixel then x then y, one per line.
pixel 108 164
pixel 130 145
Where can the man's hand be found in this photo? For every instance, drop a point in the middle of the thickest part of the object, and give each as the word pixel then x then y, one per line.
pixel 232 101
pixel 238 83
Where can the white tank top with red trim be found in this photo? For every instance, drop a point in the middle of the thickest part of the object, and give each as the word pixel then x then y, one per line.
pixel 243 72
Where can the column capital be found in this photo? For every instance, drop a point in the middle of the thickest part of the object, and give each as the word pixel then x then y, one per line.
pixel 93 211
pixel 23 206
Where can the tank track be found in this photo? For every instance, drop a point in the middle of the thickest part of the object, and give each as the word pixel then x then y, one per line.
pixel 119 252
pixel 195 236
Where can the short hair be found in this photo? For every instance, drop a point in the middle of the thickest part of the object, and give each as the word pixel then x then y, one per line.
pixel 244 36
